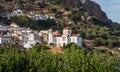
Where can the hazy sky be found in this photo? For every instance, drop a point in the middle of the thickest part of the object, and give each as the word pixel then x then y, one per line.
pixel 111 8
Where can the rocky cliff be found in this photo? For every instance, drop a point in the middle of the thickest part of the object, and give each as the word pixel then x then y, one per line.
pixel 93 8
pixel 89 5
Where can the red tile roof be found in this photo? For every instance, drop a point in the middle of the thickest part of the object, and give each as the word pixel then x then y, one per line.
pixel 75 35
pixel 57 35
pixel 4 36
pixel 67 28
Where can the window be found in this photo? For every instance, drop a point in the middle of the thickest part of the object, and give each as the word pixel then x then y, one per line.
pixel 66 31
pixel 25 41
pixel 59 44
pixel 32 45
pixel 6 41
pixel 64 38
pixel 55 40
pixel 69 39
pixel 69 32
pixel 73 39
pixel 2 41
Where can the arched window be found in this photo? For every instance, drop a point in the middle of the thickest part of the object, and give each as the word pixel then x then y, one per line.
pixel 69 31
pixel 69 39
pixel 55 40
pixel 64 38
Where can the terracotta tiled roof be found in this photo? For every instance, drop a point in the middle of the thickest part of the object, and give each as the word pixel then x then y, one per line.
pixel 4 36
pixel 58 35
pixel 75 35
pixel 50 29
pixel 67 28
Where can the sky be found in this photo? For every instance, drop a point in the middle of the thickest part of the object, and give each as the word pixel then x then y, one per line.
pixel 111 8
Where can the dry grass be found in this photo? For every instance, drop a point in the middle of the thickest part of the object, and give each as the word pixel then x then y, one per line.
pixel 56 50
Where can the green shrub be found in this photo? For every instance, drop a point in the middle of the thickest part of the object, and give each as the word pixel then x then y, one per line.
pixel 73 60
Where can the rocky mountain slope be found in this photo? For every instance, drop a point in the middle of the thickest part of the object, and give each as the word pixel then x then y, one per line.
pixel 93 8
pixel 83 16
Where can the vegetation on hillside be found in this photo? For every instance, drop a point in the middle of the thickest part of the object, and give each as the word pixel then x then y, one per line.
pixel 74 59
pixel 24 21
pixel 89 26
pixel 102 36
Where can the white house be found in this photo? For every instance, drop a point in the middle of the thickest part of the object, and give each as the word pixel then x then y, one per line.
pixel 43 32
pixel 41 17
pixel 5 40
pixel 15 13
pixel 18 12
pixel 30 40
pixel 9 15
pixel 66 38
pixel 4 28
pixel 14 25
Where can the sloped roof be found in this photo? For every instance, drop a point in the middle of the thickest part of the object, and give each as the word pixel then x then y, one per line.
pixel 58 35
pixel 67 28
pixel 75 35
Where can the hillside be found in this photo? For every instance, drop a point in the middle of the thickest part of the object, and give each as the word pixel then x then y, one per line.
pixel 93 8
pixel 63 9
pixel 100 51
pixel 74 59
pixel 83 16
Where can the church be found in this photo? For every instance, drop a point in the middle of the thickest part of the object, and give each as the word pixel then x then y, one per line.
pixel 61 40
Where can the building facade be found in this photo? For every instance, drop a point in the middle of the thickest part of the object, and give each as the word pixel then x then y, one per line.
pixel 5 40
pixel 4 28
pixel 66 38
pixel 30 40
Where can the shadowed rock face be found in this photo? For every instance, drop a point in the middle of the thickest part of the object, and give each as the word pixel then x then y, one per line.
pixel 89 5
pixel 94 9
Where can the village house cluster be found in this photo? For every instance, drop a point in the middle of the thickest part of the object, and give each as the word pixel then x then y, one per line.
pixel 63 39
pixel 66 38
pixel 35 15
pixel 14 34
pixel 27 38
